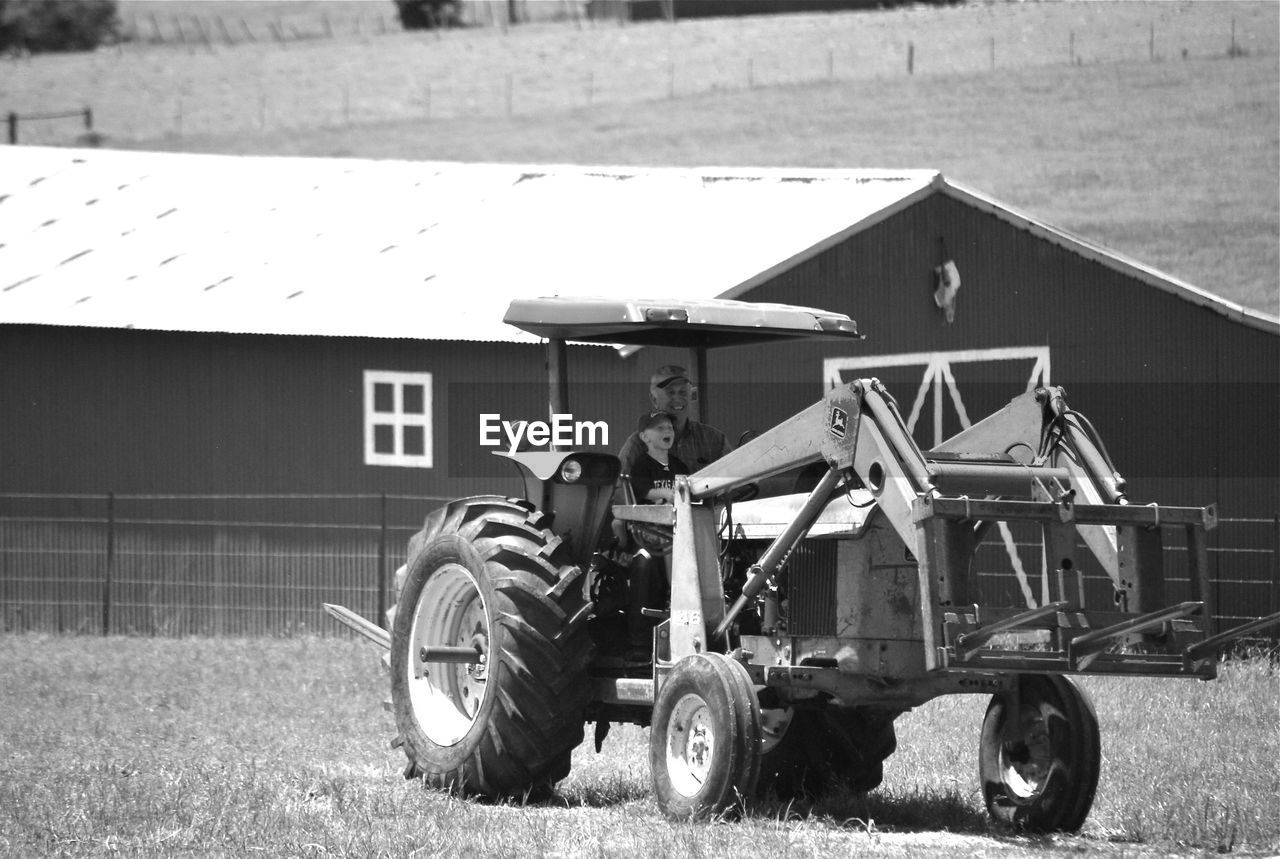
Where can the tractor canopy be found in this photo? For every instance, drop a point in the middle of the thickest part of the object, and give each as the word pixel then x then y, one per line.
pixel 678 322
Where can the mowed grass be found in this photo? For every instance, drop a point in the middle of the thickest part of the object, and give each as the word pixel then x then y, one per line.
pixel 1160 141
pixel 279 747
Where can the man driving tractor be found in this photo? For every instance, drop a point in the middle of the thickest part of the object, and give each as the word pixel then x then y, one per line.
pixel 696 444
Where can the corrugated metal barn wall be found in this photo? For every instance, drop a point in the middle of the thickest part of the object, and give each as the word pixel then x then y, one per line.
pixel 1185 399
pixel 96 410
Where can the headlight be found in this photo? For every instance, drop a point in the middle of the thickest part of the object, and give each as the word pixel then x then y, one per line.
pixel 570 471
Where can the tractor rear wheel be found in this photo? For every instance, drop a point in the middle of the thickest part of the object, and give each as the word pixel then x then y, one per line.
pixel 1040 755
pixel 492 583
pixel 809 752
pixel 704 745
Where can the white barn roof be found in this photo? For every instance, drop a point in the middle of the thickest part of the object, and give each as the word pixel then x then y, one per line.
pixel 425 250
pixel 388 248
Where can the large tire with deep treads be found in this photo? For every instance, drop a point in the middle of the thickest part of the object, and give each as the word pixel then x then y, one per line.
pixel 485 574
pixel 819 750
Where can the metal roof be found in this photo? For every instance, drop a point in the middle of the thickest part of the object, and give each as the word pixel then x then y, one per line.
pixel 369 248
pixel 425 250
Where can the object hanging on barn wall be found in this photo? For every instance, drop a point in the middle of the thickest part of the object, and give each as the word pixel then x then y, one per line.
pixel 946 285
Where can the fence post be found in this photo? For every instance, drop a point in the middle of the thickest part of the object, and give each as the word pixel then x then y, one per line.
pixel 88 119
pixel 13 128
pixel 382 562
pixel 911 58
pixel 111 563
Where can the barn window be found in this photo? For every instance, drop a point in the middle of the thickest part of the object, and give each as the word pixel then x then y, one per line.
pixel 397 418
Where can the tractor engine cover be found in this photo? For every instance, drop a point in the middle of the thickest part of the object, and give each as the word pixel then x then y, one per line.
pixel 856 600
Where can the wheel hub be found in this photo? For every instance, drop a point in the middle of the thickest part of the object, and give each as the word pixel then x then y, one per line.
pixel 450 612
pixel 1026 761
pixel 691 744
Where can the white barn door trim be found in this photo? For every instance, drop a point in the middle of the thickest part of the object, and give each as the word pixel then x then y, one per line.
pixel 939 381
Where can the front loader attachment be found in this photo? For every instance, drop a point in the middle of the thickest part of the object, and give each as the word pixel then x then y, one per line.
pixel 1035 466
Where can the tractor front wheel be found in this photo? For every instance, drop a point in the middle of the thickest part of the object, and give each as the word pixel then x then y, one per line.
pixel 488 655
pixel 704 746
pixel 1040 755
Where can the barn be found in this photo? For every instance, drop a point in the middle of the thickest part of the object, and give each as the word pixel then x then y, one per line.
pixel 312 346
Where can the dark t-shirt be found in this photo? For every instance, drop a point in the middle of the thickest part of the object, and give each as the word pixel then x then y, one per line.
pixel 647 473
pixel 699 445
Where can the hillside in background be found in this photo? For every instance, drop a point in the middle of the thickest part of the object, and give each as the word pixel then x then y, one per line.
pixel 1153 129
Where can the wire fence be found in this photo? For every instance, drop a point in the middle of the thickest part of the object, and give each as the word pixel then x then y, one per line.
pixel 207 565
pixel 185 77
pixel 263 565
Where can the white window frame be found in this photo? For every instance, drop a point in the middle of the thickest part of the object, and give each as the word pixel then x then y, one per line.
pixel 397 418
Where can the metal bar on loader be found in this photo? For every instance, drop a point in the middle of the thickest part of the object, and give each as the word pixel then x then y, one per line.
pixel 1150 516
pixel 970 641
pixel 1085 648
pixel 780 548
pixel 1210 646
pixel 978 478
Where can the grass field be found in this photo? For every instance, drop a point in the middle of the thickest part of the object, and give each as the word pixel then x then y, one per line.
pixel 279 747
pixel 1161 140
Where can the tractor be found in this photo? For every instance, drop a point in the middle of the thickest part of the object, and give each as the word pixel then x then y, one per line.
pixel 821 582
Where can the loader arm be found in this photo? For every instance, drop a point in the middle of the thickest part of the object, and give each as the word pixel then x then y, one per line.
pixel 1023 429
pixel 857 428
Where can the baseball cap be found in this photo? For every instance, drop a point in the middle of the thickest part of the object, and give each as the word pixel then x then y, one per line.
pixel 666 374
pixel 653 419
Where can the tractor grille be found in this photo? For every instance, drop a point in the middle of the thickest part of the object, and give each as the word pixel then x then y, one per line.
pixel 811 588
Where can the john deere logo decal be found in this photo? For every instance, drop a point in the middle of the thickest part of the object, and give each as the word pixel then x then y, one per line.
pixel 839 422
